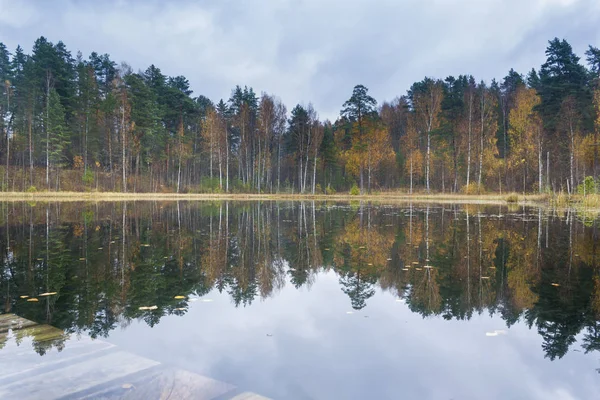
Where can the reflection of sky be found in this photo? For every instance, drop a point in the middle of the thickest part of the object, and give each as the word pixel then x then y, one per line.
pixel 319 351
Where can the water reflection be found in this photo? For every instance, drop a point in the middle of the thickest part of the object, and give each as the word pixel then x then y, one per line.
pixel 112 263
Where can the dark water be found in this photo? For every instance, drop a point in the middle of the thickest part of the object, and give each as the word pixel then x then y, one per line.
pixel 320 301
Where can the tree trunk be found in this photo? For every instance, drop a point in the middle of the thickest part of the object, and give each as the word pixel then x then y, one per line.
pixel 314 173
pixel 47 129
pixel 540 166
pixel 469 139
pixel 123 148
pixel 411 173
pixel 572 156
pixel 226 161
pixel 428 160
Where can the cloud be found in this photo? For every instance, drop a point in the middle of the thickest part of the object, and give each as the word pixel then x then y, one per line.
pixel 309 50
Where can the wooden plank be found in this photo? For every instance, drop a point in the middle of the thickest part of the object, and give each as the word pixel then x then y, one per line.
pixel 12 321
pixel 75 377
pixel 249 396
pixel 166 384
pixel 22 360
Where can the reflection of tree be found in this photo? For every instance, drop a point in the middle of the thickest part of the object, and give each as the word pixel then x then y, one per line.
pixel 106 261
pixel 358 287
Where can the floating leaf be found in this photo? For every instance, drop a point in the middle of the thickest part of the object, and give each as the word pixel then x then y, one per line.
pixel 181 309
pixel 415 263
pixel 145 245
pixel 127 386
pixel 179 297
pixel 33 300
pixel 143 308
pixel 419 269
pixel 153 308
pixel 82 259
pixel 427 266
pixel 100 248
pixel 24 297
pixel 369 264
pixel 207 300
pixel 496 332
pixel 485 277
pixel 47 294
pixel 389 259
pixel 349 312
pixel 404 269
pixel 555 284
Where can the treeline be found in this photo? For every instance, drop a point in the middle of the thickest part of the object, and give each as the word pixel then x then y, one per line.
pixel 70 123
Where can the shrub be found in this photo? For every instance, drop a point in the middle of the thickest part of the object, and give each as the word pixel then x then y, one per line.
pixel 318 189
pixel 329 190
pixel 354 190
pixel 472 188
pixel 588 186
pixel 31 189
pixel 88 177
pixel 512 198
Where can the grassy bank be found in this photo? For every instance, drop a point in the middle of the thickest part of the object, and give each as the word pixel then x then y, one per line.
pixel 383 196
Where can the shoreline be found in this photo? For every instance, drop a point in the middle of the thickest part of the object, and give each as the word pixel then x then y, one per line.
pixel 390 197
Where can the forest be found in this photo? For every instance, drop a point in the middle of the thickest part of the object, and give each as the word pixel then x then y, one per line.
pixel 70 123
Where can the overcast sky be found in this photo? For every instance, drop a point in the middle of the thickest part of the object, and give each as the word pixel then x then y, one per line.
pixel 309 50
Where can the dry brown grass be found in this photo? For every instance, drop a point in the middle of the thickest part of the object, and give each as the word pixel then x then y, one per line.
pixel 383 196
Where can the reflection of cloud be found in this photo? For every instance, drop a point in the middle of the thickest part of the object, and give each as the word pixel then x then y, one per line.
pixel 310 50
pixel 394 353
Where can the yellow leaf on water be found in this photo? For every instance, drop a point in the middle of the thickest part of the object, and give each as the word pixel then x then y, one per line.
pixel 24 297
pixel 555 284
pixel 181 309
pixel 145 245
pixel 419 269
pixel 153 308
pixel 32 300
pixel 82 259
pixel 143 308
pixel 47 294
pixel 404 269
pixel 179 297
pixel 369 264
pixel 415 262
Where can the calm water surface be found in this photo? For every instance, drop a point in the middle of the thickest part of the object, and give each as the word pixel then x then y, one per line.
pixel 316 300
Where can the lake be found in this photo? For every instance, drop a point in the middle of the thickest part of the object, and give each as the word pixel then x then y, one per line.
pixel 298 300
